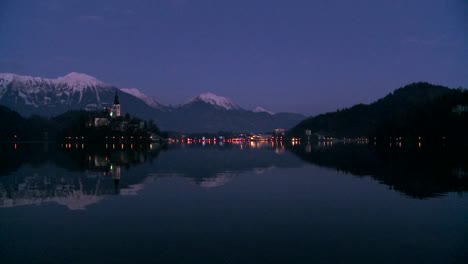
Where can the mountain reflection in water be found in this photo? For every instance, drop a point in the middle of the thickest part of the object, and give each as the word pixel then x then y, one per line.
pixel 77 176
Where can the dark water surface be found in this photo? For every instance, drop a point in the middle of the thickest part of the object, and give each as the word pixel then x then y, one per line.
pixel 252 203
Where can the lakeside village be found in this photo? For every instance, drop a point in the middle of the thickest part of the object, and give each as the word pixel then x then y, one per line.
pixel 110 126
pixel 278 135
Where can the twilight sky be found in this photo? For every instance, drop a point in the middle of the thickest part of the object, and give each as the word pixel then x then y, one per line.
pixel 301 55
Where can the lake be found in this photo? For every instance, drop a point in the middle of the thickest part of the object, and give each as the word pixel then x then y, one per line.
pixel 232 203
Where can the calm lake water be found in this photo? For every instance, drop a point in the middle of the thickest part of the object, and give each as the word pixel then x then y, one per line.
pixel 251 203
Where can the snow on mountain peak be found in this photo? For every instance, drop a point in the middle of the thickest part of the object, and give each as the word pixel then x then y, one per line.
pixel 137 93
pixel 260 109
pixel 133 91
pixel 75 80
pixel 29 87
pixel 6 78
pixel 216 100
pixel 80 80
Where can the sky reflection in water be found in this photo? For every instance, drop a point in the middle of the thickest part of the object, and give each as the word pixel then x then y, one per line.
pixel 231 204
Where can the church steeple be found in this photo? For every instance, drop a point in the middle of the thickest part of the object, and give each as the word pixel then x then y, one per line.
pixel 116 98
pixel 116 107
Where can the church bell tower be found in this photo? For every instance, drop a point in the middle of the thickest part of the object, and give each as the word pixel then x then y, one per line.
pixel 116 106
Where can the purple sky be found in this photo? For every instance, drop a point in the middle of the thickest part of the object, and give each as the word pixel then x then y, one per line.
pixel 300 56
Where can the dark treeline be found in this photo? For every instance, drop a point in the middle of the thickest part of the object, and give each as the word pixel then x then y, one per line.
pixel 77 123
pixel 15 127
pixel 417 172
pixel 434 121
pixel 416 110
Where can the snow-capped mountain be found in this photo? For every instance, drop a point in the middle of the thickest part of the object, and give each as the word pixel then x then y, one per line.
pixel 48 97
pixel 79 81
pixel 36 90
pixel 215 100
pixel 260 109
pixel 205 113
pixel 145 98
pixel 71 89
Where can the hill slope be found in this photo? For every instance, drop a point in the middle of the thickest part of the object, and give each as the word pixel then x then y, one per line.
pixel 393 114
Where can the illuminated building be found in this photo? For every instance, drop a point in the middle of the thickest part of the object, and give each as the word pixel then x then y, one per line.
pixel 115 111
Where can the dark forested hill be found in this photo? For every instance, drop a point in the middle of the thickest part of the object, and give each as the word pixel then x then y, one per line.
pixel 15 127
pixel 418 108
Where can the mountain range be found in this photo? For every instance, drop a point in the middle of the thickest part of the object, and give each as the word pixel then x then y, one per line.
pixel 205 113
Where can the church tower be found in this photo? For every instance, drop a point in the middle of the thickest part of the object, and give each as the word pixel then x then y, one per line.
pixel 116 106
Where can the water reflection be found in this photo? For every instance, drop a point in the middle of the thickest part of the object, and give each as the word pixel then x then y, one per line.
pixel 213 165
pixel 80 175
pixel 416 172
pixel 70 175
pixel 235 203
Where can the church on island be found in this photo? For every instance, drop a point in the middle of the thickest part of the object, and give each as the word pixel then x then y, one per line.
pixel 110 125
pixel 114 111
